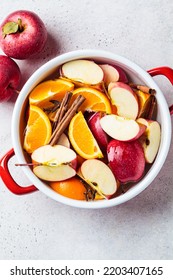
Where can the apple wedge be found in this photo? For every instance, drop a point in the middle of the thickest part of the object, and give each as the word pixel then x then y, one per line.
pixel 96 129
pixel 126 160
pixel 125 100
pixel 64 141
pixel 122 129
pixel 54 163
pixel 98 175
pixel 151 139
pixel 113 73
pixel 83 71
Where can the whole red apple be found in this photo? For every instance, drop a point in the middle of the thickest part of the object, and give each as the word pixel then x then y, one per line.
pixel 10 77
pixel 22 34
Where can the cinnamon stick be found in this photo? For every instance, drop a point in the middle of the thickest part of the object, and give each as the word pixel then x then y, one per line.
pixel 64 122
pixel 152 107
pixel 63 107
pixel 143 88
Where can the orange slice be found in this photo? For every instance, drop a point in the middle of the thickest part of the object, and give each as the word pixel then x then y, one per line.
pixel 95 100
pixel 82 138
pixel 48 90
pixel 38 130
pixel 72 188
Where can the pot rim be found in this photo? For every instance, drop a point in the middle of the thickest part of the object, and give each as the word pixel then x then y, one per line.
pixel 41 74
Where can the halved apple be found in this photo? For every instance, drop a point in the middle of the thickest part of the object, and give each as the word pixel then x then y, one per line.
pixel 125 100
pixel 83 71
pixel 113 73
pixel 151 139
pixel 98 175
pixel 55 163
pixel 122 129
pixel 126 160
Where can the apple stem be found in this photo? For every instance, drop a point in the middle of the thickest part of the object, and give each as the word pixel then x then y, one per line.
pixel 20 26
pixel 12 27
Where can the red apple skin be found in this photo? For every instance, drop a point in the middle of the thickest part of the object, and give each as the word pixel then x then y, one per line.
pixel 122 75
pixel 113 73
pixel 10 77
pixel 74 163
pixel 30 41
pixel 121 85
pixel 101 137
pixel 126 160
pixel 142 129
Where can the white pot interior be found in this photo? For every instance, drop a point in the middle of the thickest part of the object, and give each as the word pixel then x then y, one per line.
pixel 137 75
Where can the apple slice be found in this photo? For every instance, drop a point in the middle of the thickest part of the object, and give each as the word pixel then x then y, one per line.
pixel 125 100
pixel 151 139
pixel 121 128
pixel 64 141
pixel 96 129
pixel 126 160
pixel 113 73
pixel 100 176
pixel 55 163
pixel 84 71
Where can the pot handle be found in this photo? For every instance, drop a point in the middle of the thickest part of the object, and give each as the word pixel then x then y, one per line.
pixel 7 178
pixel 165 71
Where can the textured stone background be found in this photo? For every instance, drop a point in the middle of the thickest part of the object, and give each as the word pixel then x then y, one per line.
pixel 36 227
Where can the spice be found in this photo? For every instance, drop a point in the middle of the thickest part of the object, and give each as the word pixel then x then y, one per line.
pixel 65 118
pixel 145 89
pixel 152 107
pixel 53 108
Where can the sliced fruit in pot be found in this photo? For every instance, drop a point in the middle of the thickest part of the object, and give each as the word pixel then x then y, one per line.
pixel 121 128
pixel 151 139
pixel 84 71
pixel 54 163
pixel 125 100
pixel 144 100
pixel 49 90
pixel 82 138
pixel 63 140
pixel 71 188
pixel 113 73
pixel 95 100
pixel 100 176
pixel 100 135
pixel 38 130
pixel 126 160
